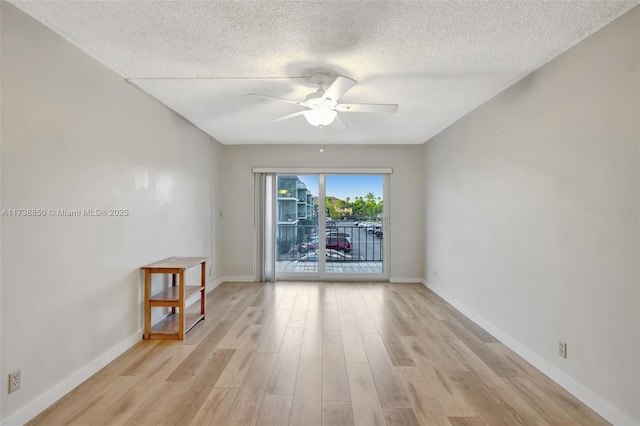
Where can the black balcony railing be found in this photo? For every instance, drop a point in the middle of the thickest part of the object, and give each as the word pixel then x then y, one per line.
pixel 343 243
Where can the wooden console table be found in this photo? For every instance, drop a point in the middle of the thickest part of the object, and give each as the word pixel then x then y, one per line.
pixel 175 325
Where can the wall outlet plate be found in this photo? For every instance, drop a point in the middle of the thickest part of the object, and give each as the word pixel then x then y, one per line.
pixel 562 349
pixel 14 381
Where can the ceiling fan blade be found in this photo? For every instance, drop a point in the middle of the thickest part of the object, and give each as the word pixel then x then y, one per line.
pixel 389 108
pixel 277 98
pixel 286 117
pixel 338 124
pixel 339 87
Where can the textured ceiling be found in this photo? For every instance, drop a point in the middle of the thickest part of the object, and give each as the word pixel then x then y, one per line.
pixel 437 59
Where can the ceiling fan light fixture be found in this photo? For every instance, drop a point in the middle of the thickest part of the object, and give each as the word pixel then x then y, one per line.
pixel 320 117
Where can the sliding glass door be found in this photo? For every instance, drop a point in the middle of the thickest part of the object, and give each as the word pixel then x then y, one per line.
pixel 330 226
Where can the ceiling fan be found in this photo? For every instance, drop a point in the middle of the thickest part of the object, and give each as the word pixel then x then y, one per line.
pixel 322 106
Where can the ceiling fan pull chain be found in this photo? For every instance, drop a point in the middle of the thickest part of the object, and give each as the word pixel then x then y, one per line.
pixel 321 140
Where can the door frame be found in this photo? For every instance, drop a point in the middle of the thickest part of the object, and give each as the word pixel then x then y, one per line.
pixel 321 274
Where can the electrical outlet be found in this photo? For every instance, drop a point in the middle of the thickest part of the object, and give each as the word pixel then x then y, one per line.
pixel 562 349
pixel 210 270
pixel 435 273
pixel 14 381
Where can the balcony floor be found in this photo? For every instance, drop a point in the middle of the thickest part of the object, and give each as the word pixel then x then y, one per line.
pixel 331 267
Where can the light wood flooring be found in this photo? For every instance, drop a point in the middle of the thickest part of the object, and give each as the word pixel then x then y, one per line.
pixel 322 354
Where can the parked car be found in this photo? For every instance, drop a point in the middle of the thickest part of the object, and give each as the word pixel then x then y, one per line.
pixel 372 228
pixel 305 246
pixel 338 243
pixel 335 242
pixel 379 233
pixel 336 232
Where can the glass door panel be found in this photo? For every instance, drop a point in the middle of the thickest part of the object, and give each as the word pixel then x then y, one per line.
pixel 354 224
pixel 296 224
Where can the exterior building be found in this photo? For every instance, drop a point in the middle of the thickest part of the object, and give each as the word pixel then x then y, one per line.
pixel 295 203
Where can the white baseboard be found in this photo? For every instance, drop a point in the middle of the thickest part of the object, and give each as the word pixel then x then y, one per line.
pixel 239 278
pixel 593 401
pixel 406 280
pixel 50 396
pixel 213 284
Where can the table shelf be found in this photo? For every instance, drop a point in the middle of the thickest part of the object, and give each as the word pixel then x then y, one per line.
pixel 178 322
pixel 171 296
pixel 166 328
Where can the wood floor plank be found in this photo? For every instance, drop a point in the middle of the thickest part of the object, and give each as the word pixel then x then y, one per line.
pixel 398 302
pixel 519 408
pixel 200 388
pixel 198 358
pixel 475 364
pixel 315 299
pixel 367 410
pixel 312 337
pixel 390 335
pixel 467 421
pixel 299 313
pixel 433 351
pixel 357 302
pixel 306 409
pixel 275 332
pixel 127 403
pixel 423 402
pixel 100 402
pixel 276 410
pixel 216 407
pixel 351 341
pixel 161 402
pixel 154 360
pixel 451 400
pixel 283 380
pixel 289 298
pixel 344 301
pixel 500 365
pixel 239 331
pixel 540 402
pixel 330 318
pixel 373 305
pixel 353 348
pixel 400 417
pixel 238 366
pixel 248 400
pixel 365 323
pixel 486 402
pixel 472 327
pixel 388 385
pixel 248 293
pixel 335 385
pixel 335 413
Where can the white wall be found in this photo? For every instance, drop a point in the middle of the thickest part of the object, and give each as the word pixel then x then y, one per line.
pixel 533 217
pixel 75 135
pixel 406 197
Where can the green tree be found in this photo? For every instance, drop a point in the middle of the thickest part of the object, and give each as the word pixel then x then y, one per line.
pixel 359 207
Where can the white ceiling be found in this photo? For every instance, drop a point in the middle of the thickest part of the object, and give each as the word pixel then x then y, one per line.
pixel 437 59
